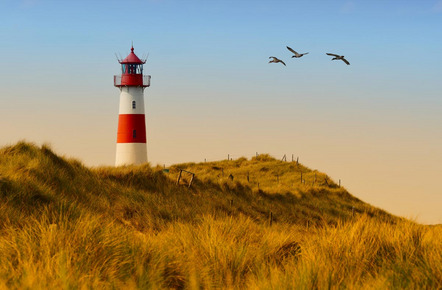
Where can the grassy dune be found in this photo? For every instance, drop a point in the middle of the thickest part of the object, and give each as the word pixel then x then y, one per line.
pixel 63 225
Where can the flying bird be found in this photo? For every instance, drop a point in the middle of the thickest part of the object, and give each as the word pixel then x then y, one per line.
pixel 276 60
pixel 341 57
pixel 297 55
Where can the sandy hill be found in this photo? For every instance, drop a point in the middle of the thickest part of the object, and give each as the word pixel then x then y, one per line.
pixel 34 178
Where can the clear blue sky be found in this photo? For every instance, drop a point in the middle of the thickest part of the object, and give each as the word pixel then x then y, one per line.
pixel 376 124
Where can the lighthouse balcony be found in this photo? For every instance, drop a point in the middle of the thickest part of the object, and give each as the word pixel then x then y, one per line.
pixel 132 80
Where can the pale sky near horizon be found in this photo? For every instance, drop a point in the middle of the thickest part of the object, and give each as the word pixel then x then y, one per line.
pixel 376 124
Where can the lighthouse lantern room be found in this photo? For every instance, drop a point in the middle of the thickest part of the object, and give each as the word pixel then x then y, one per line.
pixel 131 134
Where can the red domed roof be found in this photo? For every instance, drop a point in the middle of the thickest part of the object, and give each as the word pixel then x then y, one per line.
pixel 132 58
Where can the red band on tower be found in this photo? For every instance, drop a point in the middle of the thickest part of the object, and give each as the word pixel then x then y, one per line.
pixel 131 128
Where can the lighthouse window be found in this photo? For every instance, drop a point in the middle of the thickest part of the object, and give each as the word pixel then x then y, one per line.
pixel 132 68
pixel 134 134
pixel 134 105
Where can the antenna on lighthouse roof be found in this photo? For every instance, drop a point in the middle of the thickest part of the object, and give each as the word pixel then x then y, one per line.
pixel 144 57
pixel 119 59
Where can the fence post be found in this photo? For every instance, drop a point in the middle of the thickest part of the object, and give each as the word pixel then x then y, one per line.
pixel 179 177
pixel 191 179
pixel 270 218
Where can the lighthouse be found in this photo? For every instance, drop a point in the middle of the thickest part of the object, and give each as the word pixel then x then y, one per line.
pixel 131 134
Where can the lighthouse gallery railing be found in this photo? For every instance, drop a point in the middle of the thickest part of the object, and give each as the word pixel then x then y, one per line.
pixel 146 80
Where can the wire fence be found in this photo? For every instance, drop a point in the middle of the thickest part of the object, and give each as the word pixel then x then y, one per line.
pixel 311 180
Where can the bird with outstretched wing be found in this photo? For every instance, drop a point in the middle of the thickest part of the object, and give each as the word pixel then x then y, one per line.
pixel 297 55
pixel 338 57
pixel 276 60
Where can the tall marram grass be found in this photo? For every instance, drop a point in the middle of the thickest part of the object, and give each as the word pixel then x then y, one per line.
pixel 65 226
pixel 219 253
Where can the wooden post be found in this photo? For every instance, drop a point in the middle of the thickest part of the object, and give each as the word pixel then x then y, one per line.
pixel 292 157
pixel 191 180
pixel 270 218
pixel 301 176
pixel 204 159
pixel 179 177
pixel 297 160
pixel 228 156
pixel 256 154
pixel 339 183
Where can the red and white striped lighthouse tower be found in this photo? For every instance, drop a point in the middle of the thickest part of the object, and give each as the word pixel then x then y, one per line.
pixel 131 135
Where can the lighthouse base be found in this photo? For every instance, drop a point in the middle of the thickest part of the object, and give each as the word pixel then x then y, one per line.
pixel 131 154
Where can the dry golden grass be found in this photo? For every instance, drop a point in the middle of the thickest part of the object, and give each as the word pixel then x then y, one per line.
pixel 63 225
